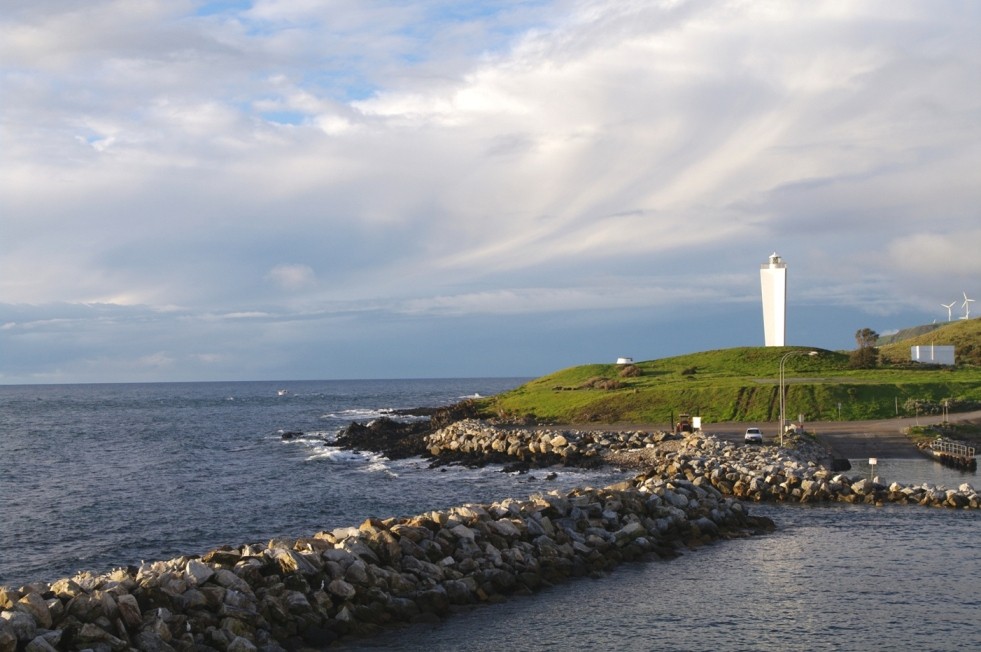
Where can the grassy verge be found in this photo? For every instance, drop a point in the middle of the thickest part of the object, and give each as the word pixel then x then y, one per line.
pixel 966 432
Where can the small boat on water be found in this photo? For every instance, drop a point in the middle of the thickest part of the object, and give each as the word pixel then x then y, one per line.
pixel 282 392
pixel 950 452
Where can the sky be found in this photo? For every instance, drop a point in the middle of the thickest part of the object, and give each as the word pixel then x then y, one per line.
pixel 331 189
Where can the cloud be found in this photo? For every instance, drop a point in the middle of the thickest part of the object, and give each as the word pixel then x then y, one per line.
pixel 197 165
pixel 537 300
pixel 936 255
pixel 210 358
pixel 292 277
pixel 158 359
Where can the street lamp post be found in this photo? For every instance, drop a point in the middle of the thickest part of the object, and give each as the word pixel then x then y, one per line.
pixel 783 398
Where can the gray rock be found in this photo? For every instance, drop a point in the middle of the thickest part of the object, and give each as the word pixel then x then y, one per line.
pixel 297 603
pixel 34 605
pixel 191 599
pixel 342 589
pixel 630 532
pixel 91 634
pixel 241 644
pixel 20 624
pixel 198 572
pixel 291 561
pixel 230 580
pixel 357 573
pixel 862 487
pixel 40 644
pixel 149 640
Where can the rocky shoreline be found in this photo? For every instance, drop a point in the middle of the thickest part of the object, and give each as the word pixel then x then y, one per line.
pixel 789 475
pixel 797 473
pixel 475 443
pixel 308 592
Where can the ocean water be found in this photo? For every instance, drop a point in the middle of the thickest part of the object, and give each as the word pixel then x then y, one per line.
pixel 98 476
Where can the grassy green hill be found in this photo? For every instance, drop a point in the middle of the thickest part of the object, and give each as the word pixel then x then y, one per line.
pixel 738 384
pixel 964 334
pixel 907 333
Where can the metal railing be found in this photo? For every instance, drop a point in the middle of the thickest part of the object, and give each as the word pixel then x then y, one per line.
pixel 955 448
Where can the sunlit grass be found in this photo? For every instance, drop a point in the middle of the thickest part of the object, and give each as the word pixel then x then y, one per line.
pixel 739 384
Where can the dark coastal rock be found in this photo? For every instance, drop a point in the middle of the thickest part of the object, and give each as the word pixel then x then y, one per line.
pixel 395 439
pixel 400 439
pixel 414 412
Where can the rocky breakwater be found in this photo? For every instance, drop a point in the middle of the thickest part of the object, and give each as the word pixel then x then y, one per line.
pixel 476 442
pixel 768 473
pixel 290 594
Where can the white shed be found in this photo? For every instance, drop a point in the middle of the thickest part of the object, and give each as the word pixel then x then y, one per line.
pixel 933 354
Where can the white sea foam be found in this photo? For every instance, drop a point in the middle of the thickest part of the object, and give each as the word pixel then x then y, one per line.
pixel 316 437
pixel 358 414
pixel 334 455
pixel 313 438
pixel 380 466
pixel 370 414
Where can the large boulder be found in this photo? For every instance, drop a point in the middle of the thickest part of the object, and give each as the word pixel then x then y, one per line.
pixel 395 439
pixel 20 624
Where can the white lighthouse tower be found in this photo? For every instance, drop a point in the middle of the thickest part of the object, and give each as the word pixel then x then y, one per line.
pixel 773 280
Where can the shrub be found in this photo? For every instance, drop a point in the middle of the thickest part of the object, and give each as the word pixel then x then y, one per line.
pixel 598 382
pixel 864 358
pixel 630 371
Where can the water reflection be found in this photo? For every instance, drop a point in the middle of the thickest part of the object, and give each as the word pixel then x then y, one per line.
pixel 913 471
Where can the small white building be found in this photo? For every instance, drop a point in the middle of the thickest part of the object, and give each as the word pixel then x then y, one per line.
pixel 933 354
pixel 625 360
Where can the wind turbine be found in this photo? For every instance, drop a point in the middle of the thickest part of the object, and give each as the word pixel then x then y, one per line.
pixel 967 306
pixel 948 306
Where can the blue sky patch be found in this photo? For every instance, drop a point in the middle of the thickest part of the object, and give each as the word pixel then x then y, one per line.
pixel 222 7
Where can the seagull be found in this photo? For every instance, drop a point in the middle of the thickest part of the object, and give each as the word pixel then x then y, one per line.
pixel 967 306
pixel 948 306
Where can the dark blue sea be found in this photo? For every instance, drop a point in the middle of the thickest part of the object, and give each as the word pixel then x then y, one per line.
pixel 94 477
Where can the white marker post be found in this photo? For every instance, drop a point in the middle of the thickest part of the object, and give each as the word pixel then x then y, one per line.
pixel 872 462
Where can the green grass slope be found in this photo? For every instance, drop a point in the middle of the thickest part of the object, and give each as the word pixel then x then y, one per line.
pixel 907 333
pixel 739 384
pixel 964 334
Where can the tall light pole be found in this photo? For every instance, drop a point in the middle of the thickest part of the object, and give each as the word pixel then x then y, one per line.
pixel 783 398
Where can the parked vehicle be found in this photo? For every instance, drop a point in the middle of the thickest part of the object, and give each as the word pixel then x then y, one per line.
pixel 683 424
pixel 753 436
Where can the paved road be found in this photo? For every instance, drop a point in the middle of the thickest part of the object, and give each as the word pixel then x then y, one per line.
pixel 854 439
pixel 849 439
